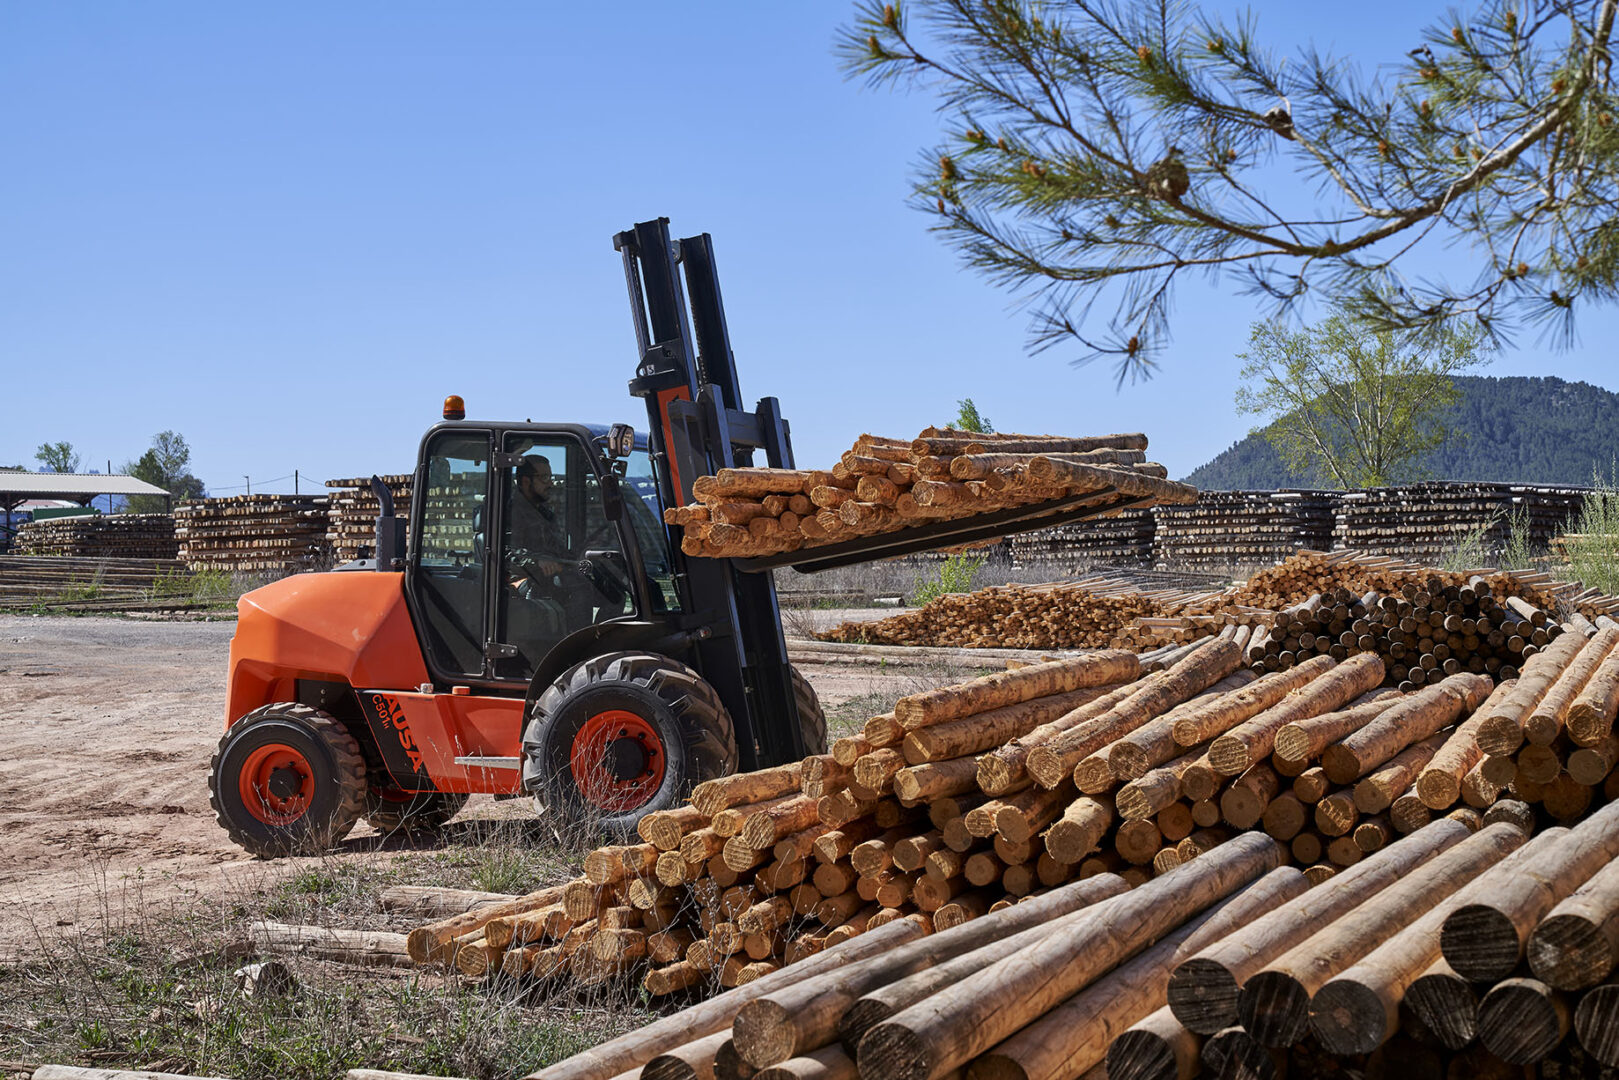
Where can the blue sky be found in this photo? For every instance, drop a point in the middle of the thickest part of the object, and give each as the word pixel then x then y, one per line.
pixel 288 230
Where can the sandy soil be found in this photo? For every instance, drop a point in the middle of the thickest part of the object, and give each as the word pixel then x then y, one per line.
pixel 106 728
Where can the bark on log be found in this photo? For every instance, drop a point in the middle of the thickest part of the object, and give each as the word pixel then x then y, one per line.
pixel 1020 685
pixel 1275 1003
pixel 1545 721
pixel 1359 1010
pixel 1152 744
pixel 1076 1034
pixel 827 1063
pixel 1204 991
pixel 430 902
pixel 1377 791
pixel 636 1048
pixel 713 796
pixel 1591 716
pixel 931 1039
pixel 796 1019
pixel 1501 731
pixel 1440 784
pixel 1218 717
pixel 1304 740
pixel 988 730
pixel 1485 940
pixel 1419 716
pixel 372 948
pixel 1004 770
pixel 1577 944
pixel 693 1061
pixel 432 943
pixel 1252 740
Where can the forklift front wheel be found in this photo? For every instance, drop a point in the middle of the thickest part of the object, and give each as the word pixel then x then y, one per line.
pixel 622 735
pixel 287 780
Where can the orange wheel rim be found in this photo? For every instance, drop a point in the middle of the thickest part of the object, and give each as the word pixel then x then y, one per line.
pixel 617 761
pixel 276 784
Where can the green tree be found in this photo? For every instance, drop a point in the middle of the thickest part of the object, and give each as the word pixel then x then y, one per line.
pixel 167 465
pixel 58 457
pixel 1101 150
pixel 1356 408
pixel 968 418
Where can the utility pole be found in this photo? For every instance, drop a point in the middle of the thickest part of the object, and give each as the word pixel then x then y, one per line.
pixel 249 480
pixel 295 481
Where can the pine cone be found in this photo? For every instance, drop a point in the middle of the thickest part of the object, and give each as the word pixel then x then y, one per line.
pixel 1168 179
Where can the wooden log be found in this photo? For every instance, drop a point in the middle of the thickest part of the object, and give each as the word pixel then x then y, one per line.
pixel 371 948
pixel 1377 791
pixel 1003 770
pixel 932 1038
pixel 1204 991
pixel 1275 1002
pixel 1077 1033
pixel 1501 731
pixel 1052 763
pixel 1485 940
pixel 988 730
pixel 1158 1047
pixel 1520 1021
pixel 1013 687
pixel 1158 788
pixel 1577 944
pixel 1544 723
pixel 1304 740
pixel 432 902
pixel 1359 1009
pixel 1592 712
pixel 827 1063
pixel 1596 1022
pixel 1421 715
pixel 711 797
pixel 636 1048
pixel 767 826
pixel 1440 784
pixel 1080 829
pixel 1243 802
pixel 1253 740
pixel 936 780
pixel 1445 1004
pixel 1206 721
pixel 803 1017
pixel 432 943
pixel 692 1061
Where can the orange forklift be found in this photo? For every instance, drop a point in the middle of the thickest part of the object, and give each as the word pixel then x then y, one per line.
pixel 542 632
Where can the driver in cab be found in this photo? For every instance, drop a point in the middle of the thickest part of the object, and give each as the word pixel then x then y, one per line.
pixel 539 539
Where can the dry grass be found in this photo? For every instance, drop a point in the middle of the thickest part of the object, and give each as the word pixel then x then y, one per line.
pixel 154 987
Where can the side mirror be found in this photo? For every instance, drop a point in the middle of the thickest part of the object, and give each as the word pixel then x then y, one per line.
pixel 620 441
pixel 612 497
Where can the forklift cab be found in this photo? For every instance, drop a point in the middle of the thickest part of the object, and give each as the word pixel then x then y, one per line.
pixel 526 534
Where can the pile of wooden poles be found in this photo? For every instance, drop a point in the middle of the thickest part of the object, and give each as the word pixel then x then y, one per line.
pixel 1083 613
pixel 352 523
pixel 265 534
pixel 1493 944
pixel 121 536
pixel 884 485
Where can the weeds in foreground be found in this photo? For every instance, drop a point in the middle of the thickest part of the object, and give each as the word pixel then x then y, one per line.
pixel 1592 542
pixel 152 985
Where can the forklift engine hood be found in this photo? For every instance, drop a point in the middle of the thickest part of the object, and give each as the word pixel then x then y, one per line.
pixel 334 627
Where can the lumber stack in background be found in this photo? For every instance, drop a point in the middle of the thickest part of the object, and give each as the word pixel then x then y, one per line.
pixel 887 485
pixel 1228 529
pixel 120 536
pixel 352 508
pixel 261 534
pixel 1427 521
pixel 1122 539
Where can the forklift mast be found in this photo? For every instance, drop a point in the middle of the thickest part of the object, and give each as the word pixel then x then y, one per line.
pixel 697 426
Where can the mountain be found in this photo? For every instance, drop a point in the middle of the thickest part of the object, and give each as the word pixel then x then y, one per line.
pixel 1515 429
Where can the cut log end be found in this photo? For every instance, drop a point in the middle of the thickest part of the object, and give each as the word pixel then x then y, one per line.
pixel 1571 952
pixel 1349 1018
pixel 1204 996
pixel 1447 1006
pixel 1481 943
pixel 764 1034
pixel 895 1053
pixel 1275 1008
pixel 1520 1021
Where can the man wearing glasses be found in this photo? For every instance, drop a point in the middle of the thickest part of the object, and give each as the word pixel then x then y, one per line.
pixel 539 541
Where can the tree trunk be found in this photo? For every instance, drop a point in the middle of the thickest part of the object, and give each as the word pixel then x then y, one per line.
pixel 1020 685
pixel 430 902
pixel 1545 721
pixel 1304 740
pixel 1419 716
pixel 1440 784
pixel 1216 718
pixel 1520 1021
pixel 372 948
pixel 988 730
pixel 432 943
pixel 1501 731
pixel 1577 944
pixel 1252 740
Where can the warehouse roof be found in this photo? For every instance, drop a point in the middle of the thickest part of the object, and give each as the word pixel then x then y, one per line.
pixel 76 487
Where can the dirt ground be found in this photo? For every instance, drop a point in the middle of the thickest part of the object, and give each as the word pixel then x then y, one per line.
pixel 106 728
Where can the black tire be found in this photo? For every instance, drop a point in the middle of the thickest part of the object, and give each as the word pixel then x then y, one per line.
pixel 811 719
pixel 673 713
pixel 324 762
pixel 389 810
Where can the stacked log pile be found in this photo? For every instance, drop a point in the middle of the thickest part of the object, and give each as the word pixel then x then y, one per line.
pixel 352 514
pixel 1428 521
pixel 1084 613
pixel 1124 538
pixel 885 485
pixel 1226 529
pixel 274 534
pixel 1423 632
pixel 120 536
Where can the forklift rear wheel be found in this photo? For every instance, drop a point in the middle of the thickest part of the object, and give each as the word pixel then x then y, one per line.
pixel 811 720
pixel 622 735
pixel 389 809
pixel 287 780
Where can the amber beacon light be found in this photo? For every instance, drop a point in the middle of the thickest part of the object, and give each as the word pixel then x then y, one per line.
pixel 455 408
